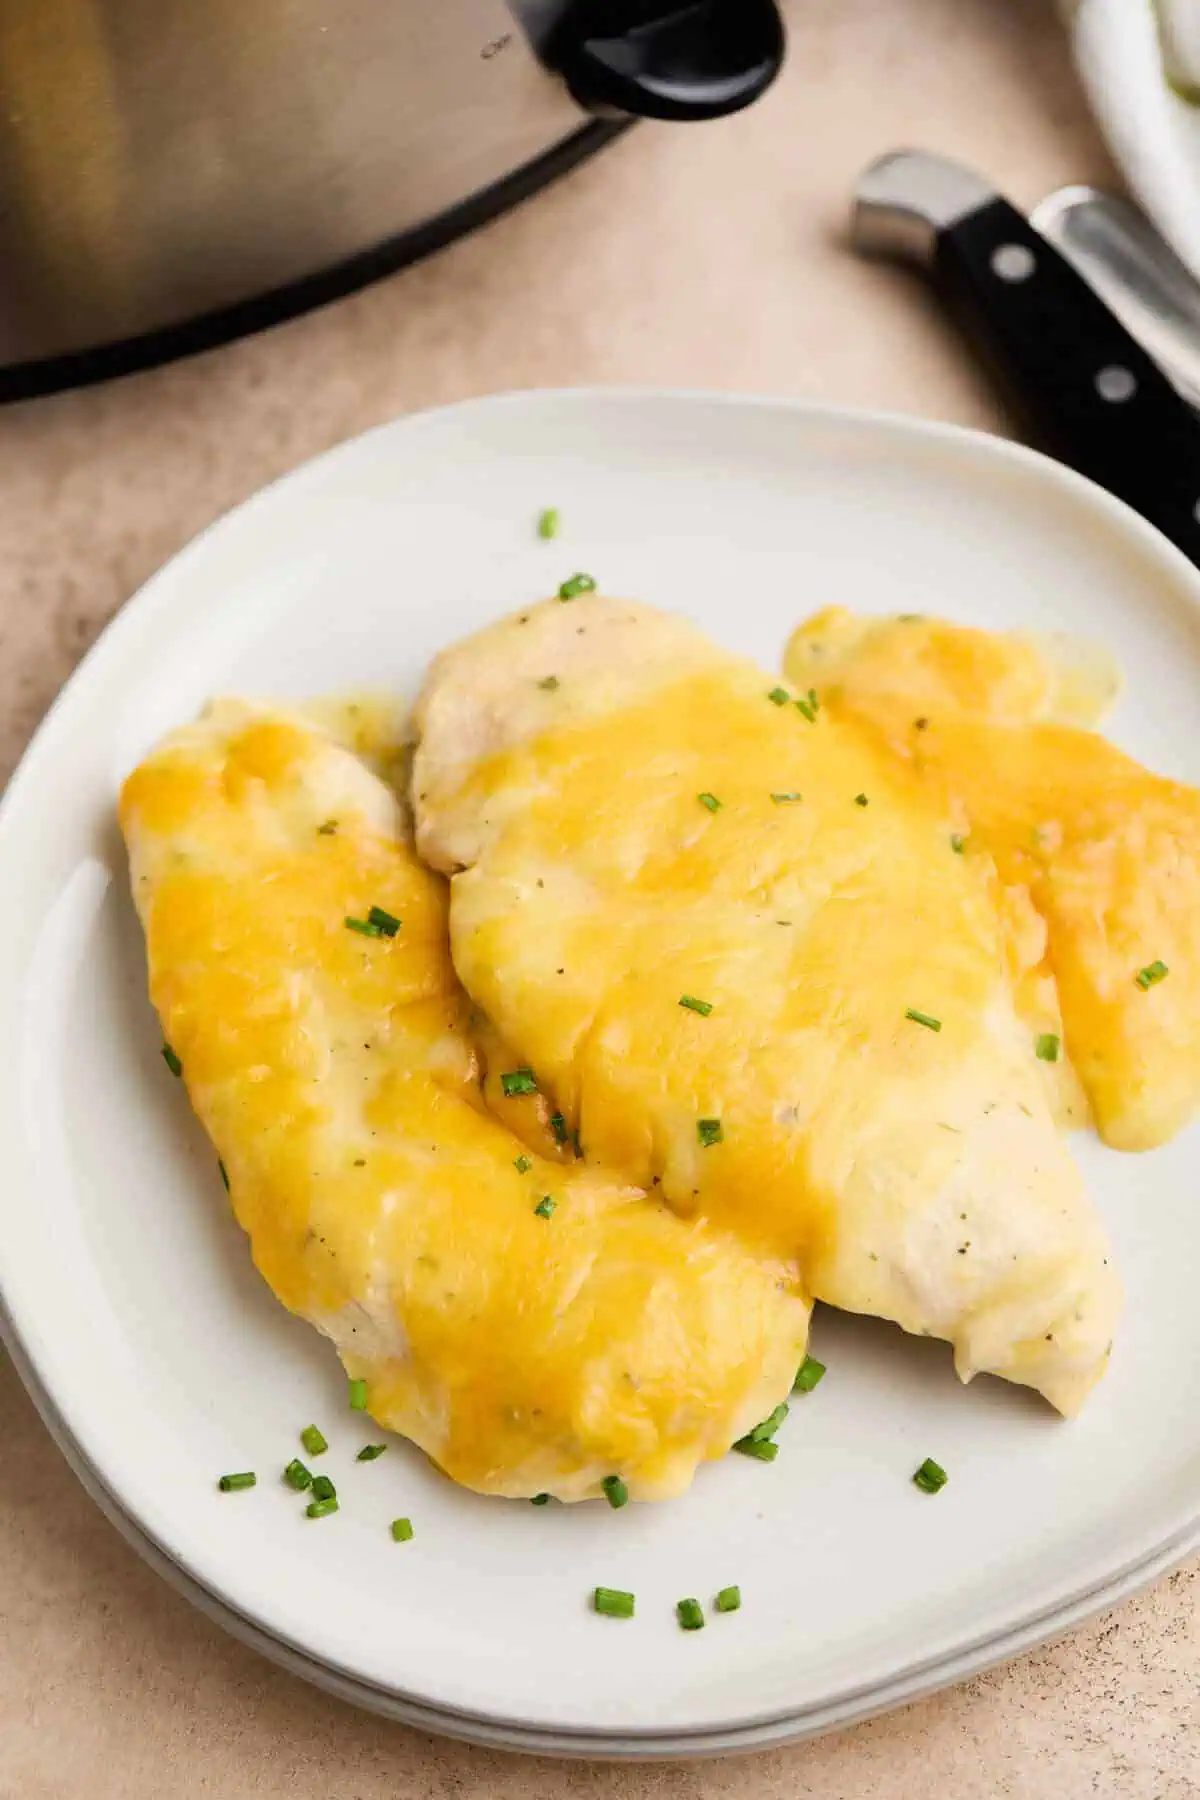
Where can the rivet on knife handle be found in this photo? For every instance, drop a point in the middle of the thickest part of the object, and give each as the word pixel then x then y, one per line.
pixel 1092 394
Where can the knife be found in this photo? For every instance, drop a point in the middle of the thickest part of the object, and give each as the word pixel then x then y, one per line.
pixel 1092 395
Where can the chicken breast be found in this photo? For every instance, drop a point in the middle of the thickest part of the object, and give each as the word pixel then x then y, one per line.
pixel 534 1323
pixel 734 941
pixel 1104 854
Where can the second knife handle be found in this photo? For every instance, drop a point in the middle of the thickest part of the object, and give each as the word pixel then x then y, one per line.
pixel 1092 394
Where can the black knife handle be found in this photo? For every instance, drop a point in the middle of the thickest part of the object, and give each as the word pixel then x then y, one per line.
pixel 1092 394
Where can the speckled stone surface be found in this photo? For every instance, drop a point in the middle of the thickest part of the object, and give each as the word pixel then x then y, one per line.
pixel 708 256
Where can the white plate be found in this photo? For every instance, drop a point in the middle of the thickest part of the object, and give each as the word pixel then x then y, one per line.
pixel 162 1360
pixel 1154 135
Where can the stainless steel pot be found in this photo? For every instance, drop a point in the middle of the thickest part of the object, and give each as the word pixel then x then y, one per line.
pixel 174 172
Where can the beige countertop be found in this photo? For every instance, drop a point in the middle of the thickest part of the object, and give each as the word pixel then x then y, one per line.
pixel 702 256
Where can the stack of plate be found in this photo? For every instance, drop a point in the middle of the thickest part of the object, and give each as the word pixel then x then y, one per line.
pixel 159 1359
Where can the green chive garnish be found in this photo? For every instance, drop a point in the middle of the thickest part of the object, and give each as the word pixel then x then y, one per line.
pixel 401 1530
pixel 762 1449
pixel 540 1500
pixel 861 800
pixel 522 1165
pixel 370 1453
pixel 808 708
pixel 548 683
pixel 320 1509
pixel 920 1018
pixel 615 1491
pixel 385 923
pixel 356 1391
pixel 766 1428
pixel 364 927
pixel 690 1614
pixel 958 842
pixel 545 1207
pixel 518 1081
pixel 176 1067
pixel 328 829
pixel 558 1126
pixel 233 1484
pixel 549 522
pixel 729 1599
pixel 782 799
pixel 808 1375
pixel 613 1603
pixel 1146 978
pixel 313 1441
pixel 1046 1047
pixel 577 584
pixel 297 1476
pixel 778 696
pixel 224 1173
pixel 323 1488
pixel 703 1007
pixel 709 800
pixel 709 1132
pixel 930 1476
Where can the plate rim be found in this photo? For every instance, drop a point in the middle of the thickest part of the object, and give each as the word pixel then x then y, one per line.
pixel 779 1725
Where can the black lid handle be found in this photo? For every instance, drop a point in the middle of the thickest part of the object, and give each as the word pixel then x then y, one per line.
pixel 696 59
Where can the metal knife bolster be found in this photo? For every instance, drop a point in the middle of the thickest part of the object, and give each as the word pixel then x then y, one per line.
pixel 1092 393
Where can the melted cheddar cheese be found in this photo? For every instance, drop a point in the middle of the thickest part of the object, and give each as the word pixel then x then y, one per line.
pixel 341 1080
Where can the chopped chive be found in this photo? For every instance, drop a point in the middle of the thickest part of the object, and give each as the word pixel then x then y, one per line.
pixel 518 1081
pixel 576 1146
pixel 313 1441
pixel 709 1132
pixel 575 585
pixel 778 696
pixel 545 1207
pixel 810 706
pixel 297 1476
pixel 320 1509
pixel 690 1614
pixel 930 1476
pixel 782 799
pixel 808 1375
pixel 549 522
pixel 920 1018
pixel 709 800
pixel 861 800
pixel 613 1603
pixel 548 683
pixel 328 829
pixel 729 1600
pixel 370 1453
pixel 522 1165
pixel 958 842
pixel 1145 978
pixel 615 1491
pixel 224 1173
pixel 384 922
pixel 766 1428
pixel 1046 1047
pixel 401 1530
pixel 233 1484
pixel 176 1067
pixel 762 1449
pixel 323 1488
pixel 540 1500
pixel 558 1126
pixel 703 1007
pixel 364 927
pixel 356 1393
